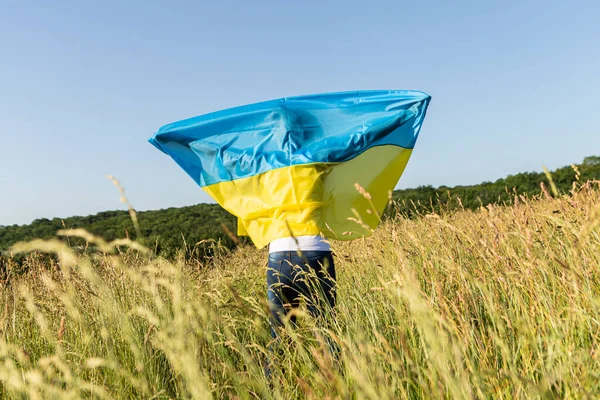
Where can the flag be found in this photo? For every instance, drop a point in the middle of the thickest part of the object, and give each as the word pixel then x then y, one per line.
pixel 306 165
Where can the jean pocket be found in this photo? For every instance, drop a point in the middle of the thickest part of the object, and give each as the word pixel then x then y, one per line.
pixel 312 256
pixel 275 263
pixel 280 256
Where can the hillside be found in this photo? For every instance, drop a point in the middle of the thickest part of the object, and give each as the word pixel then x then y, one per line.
pixel 166 231
pixel 169 230
pixel 427 199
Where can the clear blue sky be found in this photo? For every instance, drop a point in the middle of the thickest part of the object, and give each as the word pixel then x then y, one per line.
pixel 84 84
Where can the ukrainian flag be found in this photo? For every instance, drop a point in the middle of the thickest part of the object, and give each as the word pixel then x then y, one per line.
pixel 290 166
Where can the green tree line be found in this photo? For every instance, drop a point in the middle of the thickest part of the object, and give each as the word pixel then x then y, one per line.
pixel 193 229
pixel 426 199
pixel 170 231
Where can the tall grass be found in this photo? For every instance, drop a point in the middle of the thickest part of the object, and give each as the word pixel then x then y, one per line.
pixel 503 302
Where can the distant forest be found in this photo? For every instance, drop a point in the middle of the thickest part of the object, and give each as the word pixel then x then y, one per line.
pixel 426 199
pixel 171 231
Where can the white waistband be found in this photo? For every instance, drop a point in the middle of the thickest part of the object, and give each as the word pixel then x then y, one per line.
pixel 303 243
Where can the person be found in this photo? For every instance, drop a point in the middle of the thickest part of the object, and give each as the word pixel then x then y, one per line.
pixel 300 269
pixel 295 170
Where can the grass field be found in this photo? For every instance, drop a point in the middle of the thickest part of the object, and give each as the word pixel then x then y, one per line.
pixel 502 303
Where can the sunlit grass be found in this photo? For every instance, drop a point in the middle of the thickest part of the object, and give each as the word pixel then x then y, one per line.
pixel 498 303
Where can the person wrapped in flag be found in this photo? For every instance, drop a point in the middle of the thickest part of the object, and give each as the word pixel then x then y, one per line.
pixel 298 172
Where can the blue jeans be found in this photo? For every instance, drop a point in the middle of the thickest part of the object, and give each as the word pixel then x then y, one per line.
pixel 291 276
